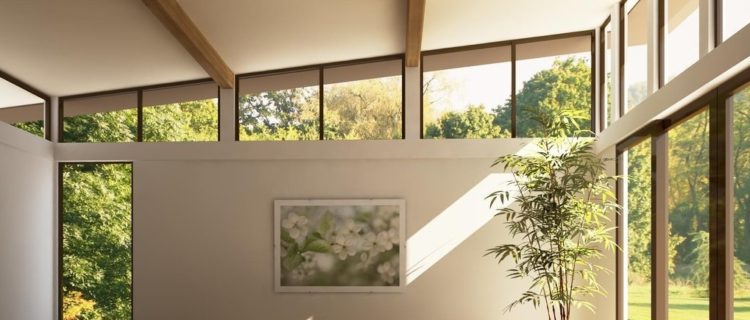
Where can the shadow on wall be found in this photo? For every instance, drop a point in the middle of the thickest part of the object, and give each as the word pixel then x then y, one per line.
pixel 457 223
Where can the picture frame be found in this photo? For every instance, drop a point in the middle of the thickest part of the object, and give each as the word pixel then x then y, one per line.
pixel 347 245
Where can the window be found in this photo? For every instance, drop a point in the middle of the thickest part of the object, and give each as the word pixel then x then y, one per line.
pixel 688 213
pixel 606 88
pixel 22 109
pixel 96 241
pixel 283 106
pixel 106 118
pixel 700 210
pixel 467 94
pixel 734 16
pixel 553 77
pixel 182 113
pixel 363 101
pixel 638 244
pixel 739 110
pixel 170 113
pixel 681 41
pixel 636 52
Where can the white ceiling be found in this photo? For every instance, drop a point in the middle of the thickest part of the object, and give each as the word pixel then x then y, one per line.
pixel 78 46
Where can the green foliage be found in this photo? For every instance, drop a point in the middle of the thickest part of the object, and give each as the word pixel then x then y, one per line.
pixel 97 240
pixel 280 115
pixel 639 212
pixel 112 126
pixel 366 109
pixel 564 200
pixel 475 122
pixel 188 121
pixel 561 93
pixel 34 127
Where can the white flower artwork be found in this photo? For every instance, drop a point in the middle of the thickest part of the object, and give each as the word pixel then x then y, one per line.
pixel 339 245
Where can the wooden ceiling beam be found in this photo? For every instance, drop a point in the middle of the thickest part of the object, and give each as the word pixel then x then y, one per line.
pixel 414 26
pixel 174 18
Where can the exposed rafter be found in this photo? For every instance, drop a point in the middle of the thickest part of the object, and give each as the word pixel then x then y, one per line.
pixel 174 18
pixel 414 26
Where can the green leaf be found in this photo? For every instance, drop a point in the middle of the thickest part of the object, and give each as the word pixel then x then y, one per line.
pixel 326 224
pixel 290 262
pixel 318 245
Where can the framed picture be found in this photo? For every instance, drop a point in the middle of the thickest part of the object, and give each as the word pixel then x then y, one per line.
pixel 339 245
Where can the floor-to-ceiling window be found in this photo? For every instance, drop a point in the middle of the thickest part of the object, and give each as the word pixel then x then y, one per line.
pixel 637 214
pixel 96 240
pixel 688 218
pixel 738 107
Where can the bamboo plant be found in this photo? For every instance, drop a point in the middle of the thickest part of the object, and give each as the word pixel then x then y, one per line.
pixel 560 221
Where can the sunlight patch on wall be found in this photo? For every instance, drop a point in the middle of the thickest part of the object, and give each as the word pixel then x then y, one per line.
pixel 454 225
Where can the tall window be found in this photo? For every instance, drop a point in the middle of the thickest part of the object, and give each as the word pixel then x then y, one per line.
pixel 739 110
pixel 363 101
pixel 183 113
pixel 553 77
pixel 283 106
pixel 467 94
pixel 21 108
pixel 106 118
pixel 638 233
pixel 688 212
pixel 734 16
pixel 96 218
pixel 636 52
pixel 606 74
pixel 682 38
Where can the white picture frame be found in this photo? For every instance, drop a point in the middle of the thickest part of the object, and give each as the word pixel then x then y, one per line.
pixel 344 222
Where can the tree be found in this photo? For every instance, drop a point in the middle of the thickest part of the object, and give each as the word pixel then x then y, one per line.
pixel 475 122
pixel 188 121
pixel 560 93
pixel 34 127
pixel 97 243
pixel 366 109
pixel 280 115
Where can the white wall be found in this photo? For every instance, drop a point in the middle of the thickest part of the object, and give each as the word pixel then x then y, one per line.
pixel 203 238
pixel 27 226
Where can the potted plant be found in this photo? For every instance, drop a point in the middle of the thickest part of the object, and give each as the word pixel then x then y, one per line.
pixel 563 201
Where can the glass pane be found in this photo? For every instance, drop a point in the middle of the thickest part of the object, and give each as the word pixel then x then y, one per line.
pixel 740 113
pixel 110 118
pixel 360 106
pixel 96 241
pixel 111 126
pixel 185 121
pixel 683 35
pixel 636 53
pixel 280 107
pixel 638 215
pixel 607 89
pixel 735 16
pixel 688 210
pixel 468 101
pixel 553 78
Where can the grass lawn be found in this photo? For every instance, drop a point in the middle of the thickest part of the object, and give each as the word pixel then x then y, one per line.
pixel 684 304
